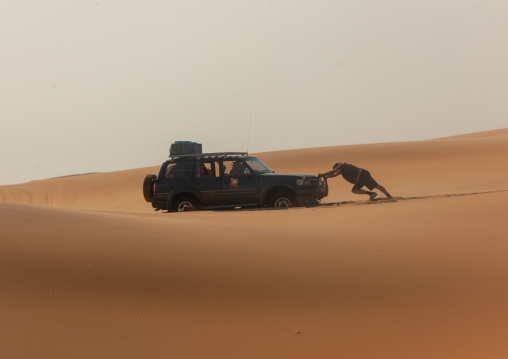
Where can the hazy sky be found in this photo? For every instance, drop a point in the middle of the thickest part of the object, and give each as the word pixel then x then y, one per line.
pixel 91 86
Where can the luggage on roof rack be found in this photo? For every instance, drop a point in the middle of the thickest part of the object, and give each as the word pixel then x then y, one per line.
pixel 212 154
pixel 185 148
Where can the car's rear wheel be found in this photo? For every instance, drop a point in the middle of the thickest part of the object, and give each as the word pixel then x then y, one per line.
pixel 283 200
pixel 148 187
pixel 186 204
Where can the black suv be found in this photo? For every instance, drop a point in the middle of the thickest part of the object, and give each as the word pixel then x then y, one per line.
pixel 227 180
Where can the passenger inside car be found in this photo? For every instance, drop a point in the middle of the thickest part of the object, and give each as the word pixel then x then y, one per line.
pixel 238 169
pixel 204 170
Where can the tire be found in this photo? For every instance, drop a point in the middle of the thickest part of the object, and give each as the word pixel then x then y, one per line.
pixel 186 204
pixel 148 187
pixel 283 200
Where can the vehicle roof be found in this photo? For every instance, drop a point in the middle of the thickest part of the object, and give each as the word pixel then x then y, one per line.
pixel 215 155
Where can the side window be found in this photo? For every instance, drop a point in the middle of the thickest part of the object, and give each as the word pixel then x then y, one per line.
pixel 225 167
pixel 234 168
pixel 179 170
pixel 204 169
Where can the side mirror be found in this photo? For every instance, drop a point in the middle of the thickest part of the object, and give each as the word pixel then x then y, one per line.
pixel 246 172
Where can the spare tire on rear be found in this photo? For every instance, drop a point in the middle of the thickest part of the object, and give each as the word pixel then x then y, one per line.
pixel 148 187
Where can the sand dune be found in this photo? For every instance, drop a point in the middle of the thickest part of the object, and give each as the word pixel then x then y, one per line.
pixel 88 270
pixel 103 191
pixel 478 135
pixel 476 163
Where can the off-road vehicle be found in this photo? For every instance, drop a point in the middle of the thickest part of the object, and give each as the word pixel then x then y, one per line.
pixel 227 180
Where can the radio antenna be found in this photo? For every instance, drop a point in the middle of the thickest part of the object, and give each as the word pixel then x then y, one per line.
pixel 248 139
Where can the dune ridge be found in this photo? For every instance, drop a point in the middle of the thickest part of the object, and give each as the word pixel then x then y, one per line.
pixel 89 270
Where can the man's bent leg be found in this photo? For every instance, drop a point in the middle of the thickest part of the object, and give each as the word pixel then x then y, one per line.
pixel 382 189
pixel 372 195
pixel 360 191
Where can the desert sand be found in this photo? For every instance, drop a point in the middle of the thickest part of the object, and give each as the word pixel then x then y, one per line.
pixel 89 270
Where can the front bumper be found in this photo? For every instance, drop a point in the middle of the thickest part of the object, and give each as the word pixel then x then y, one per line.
pixel 322 188
pixel 318 191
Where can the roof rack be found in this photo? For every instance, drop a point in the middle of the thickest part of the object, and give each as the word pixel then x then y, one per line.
pixel 215 154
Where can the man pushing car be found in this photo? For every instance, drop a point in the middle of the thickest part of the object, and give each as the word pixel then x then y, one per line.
pixel 358 176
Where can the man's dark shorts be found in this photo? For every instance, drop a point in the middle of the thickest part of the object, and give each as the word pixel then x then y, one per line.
pixel 365 180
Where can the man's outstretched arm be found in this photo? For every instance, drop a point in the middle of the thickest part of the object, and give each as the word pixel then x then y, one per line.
pixel 330 174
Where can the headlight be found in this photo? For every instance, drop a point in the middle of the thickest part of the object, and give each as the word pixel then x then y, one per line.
pixel 306 182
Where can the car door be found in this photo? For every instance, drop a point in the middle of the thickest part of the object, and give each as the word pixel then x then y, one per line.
pixel 207 182
pixel 239 183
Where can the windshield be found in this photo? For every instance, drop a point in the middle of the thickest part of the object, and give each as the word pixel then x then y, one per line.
pixel 257 166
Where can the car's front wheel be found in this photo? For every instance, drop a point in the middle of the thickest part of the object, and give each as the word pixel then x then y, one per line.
pixel 283 200
pixel 186 204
